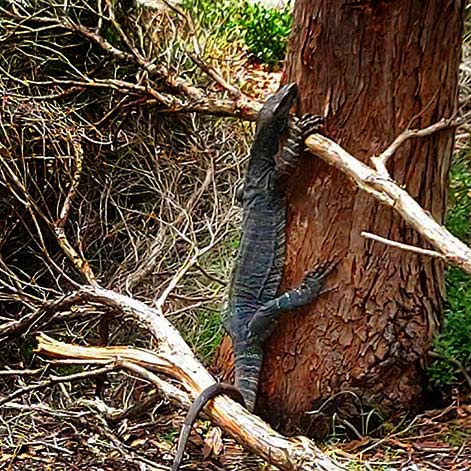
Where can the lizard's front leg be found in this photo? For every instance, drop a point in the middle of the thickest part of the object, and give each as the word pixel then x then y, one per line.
pixel 298 130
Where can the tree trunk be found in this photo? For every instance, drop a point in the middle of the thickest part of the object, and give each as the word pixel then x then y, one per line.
pixel 373 68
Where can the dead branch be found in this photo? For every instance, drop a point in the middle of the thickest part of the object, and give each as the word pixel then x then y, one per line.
pixel 80 263
pixel 378 183
pixel 174 358
pixel 400 245
pixel 189 97
pixel 43 313
pixel 242 107
pixel 381 160
pixel 58 379
pixel 22 372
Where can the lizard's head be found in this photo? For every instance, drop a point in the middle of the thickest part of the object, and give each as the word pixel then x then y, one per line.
pixel 275 111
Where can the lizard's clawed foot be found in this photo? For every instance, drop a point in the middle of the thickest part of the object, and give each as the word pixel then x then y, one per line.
pixel 307 124
pixel 310 124
pixel 315 278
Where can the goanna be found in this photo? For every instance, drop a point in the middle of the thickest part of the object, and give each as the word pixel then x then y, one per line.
pixel 253 306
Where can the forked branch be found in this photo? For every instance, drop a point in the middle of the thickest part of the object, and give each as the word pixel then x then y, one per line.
pixel 377 182
pixel 381 160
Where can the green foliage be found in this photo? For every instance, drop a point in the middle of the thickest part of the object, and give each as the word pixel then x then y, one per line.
pixel 457 435
pixel 169 436
pixel 206 334
pixel 458 217
pixel 213 15
pixel 454 342
pixel 263 30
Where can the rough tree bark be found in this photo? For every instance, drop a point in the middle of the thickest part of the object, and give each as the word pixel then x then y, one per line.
pixel 373 68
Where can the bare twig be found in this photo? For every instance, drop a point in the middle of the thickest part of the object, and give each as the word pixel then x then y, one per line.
pixel 21 372
pixel 400 245
pixel 79 262
pixel 233 91
pixel 90 174
pixel 23 195
pixel 149 260
pixel 57 379
pixel 382 159
pixel 47 310
pixel 171 393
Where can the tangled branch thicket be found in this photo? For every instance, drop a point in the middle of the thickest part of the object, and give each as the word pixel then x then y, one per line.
pixel 105 177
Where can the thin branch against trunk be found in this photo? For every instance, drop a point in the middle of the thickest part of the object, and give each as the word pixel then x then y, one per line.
pixel 381 160
pixel 174 358
pixel 400 245
pixel 388 192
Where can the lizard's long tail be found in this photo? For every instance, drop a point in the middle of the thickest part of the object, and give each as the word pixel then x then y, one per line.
pixel 208 394
pixel 247 373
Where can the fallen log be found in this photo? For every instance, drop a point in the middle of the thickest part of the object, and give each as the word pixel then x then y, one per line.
pixel 174 358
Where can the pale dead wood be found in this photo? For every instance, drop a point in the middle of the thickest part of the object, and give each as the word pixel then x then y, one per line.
pixel 174 358
pixel 381 160
pixel 25 372
pixel 378 183
pixel 400 245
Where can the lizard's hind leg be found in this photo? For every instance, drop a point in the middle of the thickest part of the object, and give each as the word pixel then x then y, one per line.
pixel 265 319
